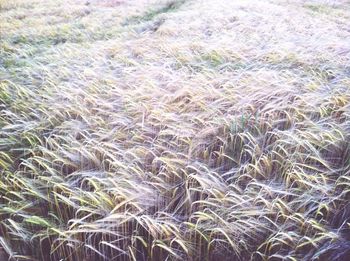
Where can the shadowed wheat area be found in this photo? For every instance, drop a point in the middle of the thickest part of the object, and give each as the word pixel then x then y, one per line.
pixel 174 130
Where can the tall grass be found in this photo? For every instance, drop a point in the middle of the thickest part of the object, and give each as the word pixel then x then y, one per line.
pixel 211 135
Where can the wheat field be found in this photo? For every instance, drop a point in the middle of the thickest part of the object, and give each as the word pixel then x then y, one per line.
pixel 174 130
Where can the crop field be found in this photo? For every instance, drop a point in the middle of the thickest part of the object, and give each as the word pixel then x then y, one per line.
pixel 159 130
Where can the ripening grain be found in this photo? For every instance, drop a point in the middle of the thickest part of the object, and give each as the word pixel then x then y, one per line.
pixel 174 130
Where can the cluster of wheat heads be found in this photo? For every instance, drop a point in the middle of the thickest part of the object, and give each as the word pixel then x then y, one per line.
pixel 183 130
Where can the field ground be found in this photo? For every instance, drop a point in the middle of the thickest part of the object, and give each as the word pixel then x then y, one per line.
pixel 174 130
